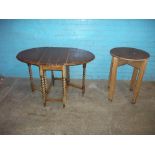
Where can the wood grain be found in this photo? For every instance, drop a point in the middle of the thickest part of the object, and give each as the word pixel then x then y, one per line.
pixel 127 53
pixel 134 57
pixel 55 56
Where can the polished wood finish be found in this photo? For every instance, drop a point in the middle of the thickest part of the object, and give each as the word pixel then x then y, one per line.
pixel 43 89
pixel 55 58
pixel 68 74
pixel 64 86
pixel 127 53
pixel 134 57
pixel 31 78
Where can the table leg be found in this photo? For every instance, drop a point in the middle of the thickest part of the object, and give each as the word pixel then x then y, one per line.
pixel 68 74
pixel 113 78
pixel 110 73
pixel 43 84
pixel 133 79
pixel 83 79
pixel 139 82
pixel 64 86
pixel 52 76
pixel 31 78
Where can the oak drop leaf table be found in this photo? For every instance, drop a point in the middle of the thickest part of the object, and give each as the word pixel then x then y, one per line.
pixel 55 59
pixel 136 58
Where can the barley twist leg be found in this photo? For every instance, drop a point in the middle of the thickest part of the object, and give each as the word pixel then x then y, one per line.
pixel 68 75
pixel 31 78
pixel 64 86
pixel 45 85
pixel 83 79
pixel 43 88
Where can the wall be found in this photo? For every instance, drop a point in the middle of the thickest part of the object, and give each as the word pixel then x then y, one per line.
pixel 97 36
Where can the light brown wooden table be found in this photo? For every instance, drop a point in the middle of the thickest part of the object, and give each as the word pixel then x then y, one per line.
pixel 134 57
pixel 55 58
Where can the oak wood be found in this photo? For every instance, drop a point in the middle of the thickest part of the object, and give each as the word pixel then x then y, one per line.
pixel 113 78
pixel 110 73
pixel 134 57
pixel 127 53
pixel 139 81
pixel 83 79
pixel 43 89
pixel 68 74
pixel 64 85
pixel 56 56
pixel 31 78
pixel 133 79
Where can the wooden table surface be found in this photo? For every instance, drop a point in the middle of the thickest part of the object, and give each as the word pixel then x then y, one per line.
pixel 55 56
pixel 129 53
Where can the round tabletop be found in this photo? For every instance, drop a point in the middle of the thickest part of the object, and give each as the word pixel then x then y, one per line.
pixel 129 53
pixel 55 56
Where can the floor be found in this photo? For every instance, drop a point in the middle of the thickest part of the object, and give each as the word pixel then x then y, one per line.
pixel 22 112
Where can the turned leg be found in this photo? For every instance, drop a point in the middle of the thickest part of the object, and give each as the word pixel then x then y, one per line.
pixel 43 85
pixel 133 79
pixel 52 77
pixel 45 81
pixel 31 78
pixel 68 74
pixel 110 73
pixel 64 86
pixel 139 82
pixel 113 78
pixel 83 79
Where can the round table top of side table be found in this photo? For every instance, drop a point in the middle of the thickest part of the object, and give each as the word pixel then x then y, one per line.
pixel 129 53
pixel 55 56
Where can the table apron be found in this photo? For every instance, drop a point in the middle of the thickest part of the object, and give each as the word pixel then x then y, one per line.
pixel 48 67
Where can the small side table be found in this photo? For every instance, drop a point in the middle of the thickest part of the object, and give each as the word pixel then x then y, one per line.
pixel 134 57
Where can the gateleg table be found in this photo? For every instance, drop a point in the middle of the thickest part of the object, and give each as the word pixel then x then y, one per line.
pixel 55 59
